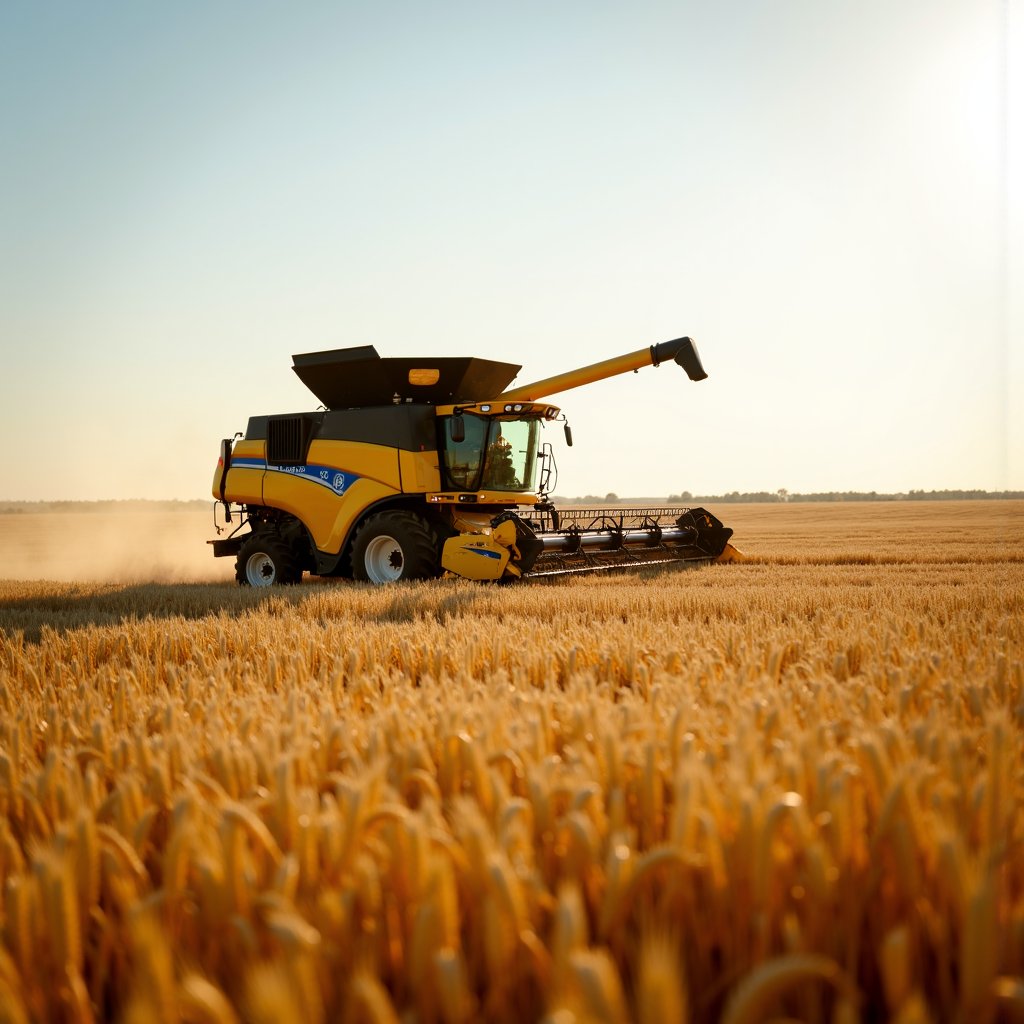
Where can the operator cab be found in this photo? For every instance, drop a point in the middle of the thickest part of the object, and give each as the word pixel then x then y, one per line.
pixel 493 455
pixel 486 448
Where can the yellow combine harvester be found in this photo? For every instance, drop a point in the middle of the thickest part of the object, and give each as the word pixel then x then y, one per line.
pixel 417 467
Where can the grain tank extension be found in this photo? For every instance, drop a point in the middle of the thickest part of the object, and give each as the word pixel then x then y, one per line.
pixel 418 467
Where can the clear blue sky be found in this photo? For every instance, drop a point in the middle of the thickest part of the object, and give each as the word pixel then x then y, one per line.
pixel 826 195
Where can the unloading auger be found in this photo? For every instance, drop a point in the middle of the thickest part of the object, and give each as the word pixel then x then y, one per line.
pixel 415 468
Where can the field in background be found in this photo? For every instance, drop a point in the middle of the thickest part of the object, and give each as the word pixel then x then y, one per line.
pixel 790 789
pixel 123 546
pixel 170 546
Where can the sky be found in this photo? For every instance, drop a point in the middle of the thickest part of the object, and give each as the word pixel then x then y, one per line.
pixel 827 196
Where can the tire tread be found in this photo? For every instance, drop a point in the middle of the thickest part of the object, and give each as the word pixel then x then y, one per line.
pixel 418 541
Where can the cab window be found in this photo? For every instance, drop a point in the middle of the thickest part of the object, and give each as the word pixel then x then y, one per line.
pixel 511 455
pixel 494 455
pixel 463 459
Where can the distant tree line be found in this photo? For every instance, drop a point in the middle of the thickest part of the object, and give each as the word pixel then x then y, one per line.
pixel 781 495
pixel 784 495
pixel 685 498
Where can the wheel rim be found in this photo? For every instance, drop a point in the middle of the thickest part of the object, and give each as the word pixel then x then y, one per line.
pixel 260 570
pixel 384 559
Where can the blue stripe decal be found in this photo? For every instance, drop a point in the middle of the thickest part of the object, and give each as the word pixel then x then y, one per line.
pixel 326 476
pixel 484 551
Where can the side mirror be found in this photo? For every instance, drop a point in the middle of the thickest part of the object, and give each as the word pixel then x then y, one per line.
pixel 568 435
pixel 457 428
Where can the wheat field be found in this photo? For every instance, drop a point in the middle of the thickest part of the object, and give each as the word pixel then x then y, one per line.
pixel 785 790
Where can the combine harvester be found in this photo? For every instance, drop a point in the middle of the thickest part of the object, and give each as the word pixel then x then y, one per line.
pixel 418 467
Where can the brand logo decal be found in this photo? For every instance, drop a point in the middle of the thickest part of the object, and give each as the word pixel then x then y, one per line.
pixel 333 479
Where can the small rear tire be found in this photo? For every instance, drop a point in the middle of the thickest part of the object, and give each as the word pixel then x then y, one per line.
pixel 266 560
pixel 393 546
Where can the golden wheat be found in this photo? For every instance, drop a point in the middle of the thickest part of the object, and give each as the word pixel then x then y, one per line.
pixel 790 788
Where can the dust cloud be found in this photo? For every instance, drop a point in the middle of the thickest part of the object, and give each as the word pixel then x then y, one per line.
pixel 111 547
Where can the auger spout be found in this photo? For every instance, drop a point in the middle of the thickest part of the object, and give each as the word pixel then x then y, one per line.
pixel 681 351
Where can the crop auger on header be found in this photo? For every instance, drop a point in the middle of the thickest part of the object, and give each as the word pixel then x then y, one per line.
pixel 415 468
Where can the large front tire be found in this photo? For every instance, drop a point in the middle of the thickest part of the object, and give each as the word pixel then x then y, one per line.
pixel 263 561
pixel 393 546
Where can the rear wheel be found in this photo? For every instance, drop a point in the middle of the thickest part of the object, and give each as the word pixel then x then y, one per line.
pixel 265 560
pixel 392 546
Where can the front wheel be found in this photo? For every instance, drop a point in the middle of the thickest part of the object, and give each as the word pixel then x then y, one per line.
pixel 392 546
pixel 264 561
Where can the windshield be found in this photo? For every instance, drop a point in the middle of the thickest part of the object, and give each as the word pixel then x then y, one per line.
pixel 499 455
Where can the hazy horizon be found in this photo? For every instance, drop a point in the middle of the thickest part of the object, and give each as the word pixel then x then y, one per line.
pixel 777 495
pixel 826 197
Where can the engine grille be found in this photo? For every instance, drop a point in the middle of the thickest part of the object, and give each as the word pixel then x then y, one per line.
pixel 288 440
